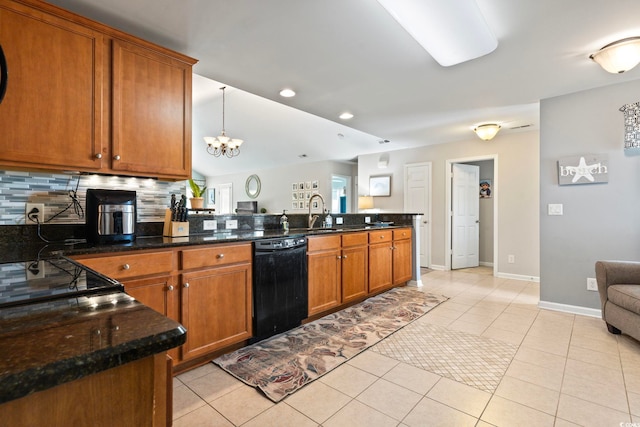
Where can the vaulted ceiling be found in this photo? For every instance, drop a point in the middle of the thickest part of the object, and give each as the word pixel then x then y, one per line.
pixel 351 55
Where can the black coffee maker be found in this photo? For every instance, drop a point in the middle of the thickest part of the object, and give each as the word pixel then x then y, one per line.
pixel 111 216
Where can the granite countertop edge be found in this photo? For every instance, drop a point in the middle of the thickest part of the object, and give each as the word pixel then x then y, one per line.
pixel 21 382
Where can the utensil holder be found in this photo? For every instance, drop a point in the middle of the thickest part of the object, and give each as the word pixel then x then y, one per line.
pixel 174 228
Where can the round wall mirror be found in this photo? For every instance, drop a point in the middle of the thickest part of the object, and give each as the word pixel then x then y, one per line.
pixel 252 186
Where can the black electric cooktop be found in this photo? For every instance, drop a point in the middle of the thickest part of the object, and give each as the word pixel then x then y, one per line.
pixel 50 279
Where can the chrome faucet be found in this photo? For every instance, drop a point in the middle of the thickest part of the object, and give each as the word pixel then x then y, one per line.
pixel 312 218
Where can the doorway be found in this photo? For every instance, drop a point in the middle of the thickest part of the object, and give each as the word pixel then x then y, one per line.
pixel 225 197
pixel 487 213
pixel 417 199
pixel 340 194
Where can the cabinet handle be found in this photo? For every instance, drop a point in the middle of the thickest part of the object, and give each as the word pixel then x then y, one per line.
pixel 382 236
pixel 220 256
pixel 186 285
pixel 4 75
pixel 170 287
pixel 116 157
pixel 98 156
pixel 126 267
pixel 344 256
pixel 339 257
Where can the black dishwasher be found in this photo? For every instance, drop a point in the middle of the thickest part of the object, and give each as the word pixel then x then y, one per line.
pixel 280 294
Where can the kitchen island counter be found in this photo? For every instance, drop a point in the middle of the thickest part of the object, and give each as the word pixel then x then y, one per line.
pixel 51 343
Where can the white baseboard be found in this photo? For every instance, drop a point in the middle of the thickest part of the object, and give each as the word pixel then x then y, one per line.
pixel 518 277
pixel 573 309
pixel 437 267
pixel 486 264
pixel 415 283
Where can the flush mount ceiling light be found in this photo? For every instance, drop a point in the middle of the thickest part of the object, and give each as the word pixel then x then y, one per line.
pixel 487 131
pixel 287 93
pixel 619 56
pixel 346 116
pixel 222 144
pixel 451 31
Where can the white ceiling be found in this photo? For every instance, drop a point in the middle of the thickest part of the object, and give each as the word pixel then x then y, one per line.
pixel 352 55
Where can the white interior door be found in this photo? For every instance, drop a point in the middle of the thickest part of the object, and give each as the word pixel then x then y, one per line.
pixel 418 200
pixel 225 197
pixel 465 218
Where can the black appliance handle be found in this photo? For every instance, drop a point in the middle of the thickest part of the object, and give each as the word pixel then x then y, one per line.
pixel 4 74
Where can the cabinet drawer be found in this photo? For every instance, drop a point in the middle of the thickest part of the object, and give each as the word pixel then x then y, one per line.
pixel 323 243
pixel 215 256
pixel 131 265
pixel 380 236
pixel 401 233
pixel 354 239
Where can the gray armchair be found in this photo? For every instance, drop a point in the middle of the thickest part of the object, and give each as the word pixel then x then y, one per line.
pixel 619 289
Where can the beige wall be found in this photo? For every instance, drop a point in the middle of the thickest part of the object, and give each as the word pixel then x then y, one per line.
pixel 516 176
pixel 275 194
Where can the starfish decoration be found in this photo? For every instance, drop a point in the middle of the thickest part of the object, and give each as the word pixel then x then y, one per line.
pixel 583 170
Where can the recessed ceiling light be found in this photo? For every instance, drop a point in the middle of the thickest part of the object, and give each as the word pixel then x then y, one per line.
pixel 287 93
pixel 346 116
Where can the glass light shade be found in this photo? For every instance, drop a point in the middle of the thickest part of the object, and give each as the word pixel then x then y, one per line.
pixel 365 202
pixel 237 142
pixel 487 132
pixel 451 31
pixel 619 56
pixel 209 140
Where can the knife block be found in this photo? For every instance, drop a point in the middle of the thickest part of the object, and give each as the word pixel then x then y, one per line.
pixel 174 228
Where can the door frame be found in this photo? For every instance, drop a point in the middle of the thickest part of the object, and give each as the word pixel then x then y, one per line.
pixel 495 193
pixel 426 218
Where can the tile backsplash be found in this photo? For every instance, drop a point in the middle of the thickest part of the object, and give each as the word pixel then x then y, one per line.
pixel 18 188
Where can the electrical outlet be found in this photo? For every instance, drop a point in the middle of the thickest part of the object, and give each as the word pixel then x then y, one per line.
pixel 209 224
pixel 231 224
pixel 35 270
pixel 367 219
pixel 511 259
pixel 40 214
pixel 592 284
pixel 339 220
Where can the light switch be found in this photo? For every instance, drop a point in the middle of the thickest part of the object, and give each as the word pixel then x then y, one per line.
pixel 554 208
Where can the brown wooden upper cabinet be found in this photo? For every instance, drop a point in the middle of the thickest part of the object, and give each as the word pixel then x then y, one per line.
pixel 83 96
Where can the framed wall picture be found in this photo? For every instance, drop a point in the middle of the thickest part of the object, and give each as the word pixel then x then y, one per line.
pixel 380 185
pixel 485 189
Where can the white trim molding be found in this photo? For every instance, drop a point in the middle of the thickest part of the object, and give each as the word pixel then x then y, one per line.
pixel 518 277
pixel 573 309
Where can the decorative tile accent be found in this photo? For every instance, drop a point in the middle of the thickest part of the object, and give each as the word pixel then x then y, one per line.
pixel 470 359
pixel 18 188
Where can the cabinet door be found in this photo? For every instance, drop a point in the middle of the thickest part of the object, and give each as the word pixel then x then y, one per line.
pixel 216 308
pixel 355 269
pixel 151 113
pixel 380 266
pixel 401 261
pixel 324 280
pixel 50 117
pixel 158 293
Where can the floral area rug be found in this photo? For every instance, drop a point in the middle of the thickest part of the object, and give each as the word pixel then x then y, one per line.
pixel 284 363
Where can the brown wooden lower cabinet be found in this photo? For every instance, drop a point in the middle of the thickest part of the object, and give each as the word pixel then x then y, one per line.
pixel 355 266
pixel 216 308
pixel 402 260
pixel 324 273
pixel 134 394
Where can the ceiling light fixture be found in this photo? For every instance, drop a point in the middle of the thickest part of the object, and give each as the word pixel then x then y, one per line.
pixel 346 116
pixel 451 31
pixel 222 144
pixel 619 56
pixel 287 93
pixel 487 131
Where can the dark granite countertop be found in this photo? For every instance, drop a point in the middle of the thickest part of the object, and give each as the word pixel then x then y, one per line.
pixel 47 344
pixel 159 242
pixel 50 343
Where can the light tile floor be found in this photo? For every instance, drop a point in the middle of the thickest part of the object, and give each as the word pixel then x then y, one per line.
pixel 567 370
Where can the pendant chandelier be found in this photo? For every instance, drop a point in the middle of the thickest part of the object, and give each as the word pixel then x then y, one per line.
pixel 222 145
